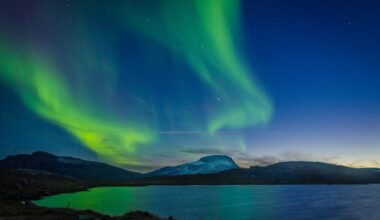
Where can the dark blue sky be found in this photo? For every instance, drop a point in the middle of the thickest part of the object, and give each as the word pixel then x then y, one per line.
pixel 319 61
pixel 316 61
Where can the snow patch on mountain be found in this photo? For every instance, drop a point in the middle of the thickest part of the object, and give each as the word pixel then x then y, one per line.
pixel 205 165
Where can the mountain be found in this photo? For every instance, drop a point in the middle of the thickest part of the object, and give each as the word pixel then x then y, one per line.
pixel 314 172
pixel 205 165
pixel 68 166
pixel 216 169
pixel 377 170
pixel 295 172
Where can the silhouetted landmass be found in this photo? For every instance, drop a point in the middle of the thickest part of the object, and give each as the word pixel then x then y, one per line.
pixel 371 169
pixel 28 211
pixel 298 172
pixel 90 173
pixel 17 185
pixel 68 166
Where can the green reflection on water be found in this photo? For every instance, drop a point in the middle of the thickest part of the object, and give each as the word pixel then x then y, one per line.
pixel 183 202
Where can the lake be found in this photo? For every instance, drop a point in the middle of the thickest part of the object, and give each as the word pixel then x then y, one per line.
pixel 230 202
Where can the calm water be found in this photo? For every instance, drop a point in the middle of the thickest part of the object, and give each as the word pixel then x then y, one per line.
pixel 231 202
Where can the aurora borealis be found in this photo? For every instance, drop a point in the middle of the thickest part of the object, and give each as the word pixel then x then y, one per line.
pixel 141 84
pixel 204 33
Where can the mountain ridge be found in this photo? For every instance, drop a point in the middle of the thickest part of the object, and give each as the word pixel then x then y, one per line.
pixel 214 169
pixel 205 165
pixel 68 166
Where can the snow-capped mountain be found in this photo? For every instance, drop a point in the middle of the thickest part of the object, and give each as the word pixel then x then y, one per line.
pixel 205 165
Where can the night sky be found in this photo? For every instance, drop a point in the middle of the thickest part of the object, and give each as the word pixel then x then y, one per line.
pixel 144 84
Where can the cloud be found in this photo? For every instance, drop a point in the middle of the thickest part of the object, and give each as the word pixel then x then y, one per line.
pixel 203 151
pixel 143 168
pixel 195 132
pixel 244 159
pixel 180 132
pixel 247 160
pixel 364 163
pixel 296 156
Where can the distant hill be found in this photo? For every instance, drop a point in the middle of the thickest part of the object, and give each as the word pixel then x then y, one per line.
pixel 297 172
pixel 216 169
pixel 67 166
pixel 371 169
pixel 205 165
pixel 314 172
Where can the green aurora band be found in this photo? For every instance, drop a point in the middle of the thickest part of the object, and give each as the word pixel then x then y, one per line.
pixel 46 93
pixel 205 33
